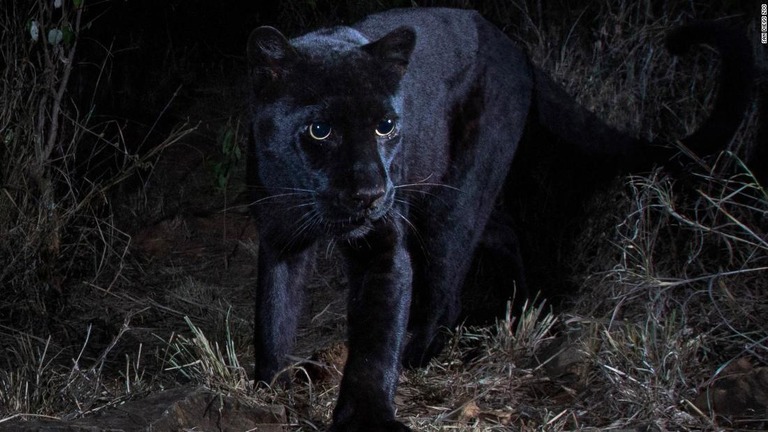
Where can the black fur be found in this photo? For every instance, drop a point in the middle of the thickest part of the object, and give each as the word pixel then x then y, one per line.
pixel 409 208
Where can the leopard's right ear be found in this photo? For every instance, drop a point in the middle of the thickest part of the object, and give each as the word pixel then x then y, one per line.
pixel 270 54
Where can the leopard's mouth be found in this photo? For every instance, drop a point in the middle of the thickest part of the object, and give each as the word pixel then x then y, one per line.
pixel 350 228
pixel 355 224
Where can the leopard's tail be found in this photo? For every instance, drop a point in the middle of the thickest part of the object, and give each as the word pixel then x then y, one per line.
pixel 575 125
pixel 737 77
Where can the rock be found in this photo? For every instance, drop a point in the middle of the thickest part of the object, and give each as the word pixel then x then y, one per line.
pixel 173 410
pixel 326 364
pixel 740 391
pixel 567 360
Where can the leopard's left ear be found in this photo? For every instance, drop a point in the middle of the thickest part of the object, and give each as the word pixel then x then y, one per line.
pixel 394 48
pixel 270 55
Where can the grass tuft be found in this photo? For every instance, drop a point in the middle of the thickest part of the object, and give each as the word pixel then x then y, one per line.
pixel 198 359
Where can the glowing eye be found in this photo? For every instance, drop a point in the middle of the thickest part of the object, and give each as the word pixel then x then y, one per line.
pixel 386 127
pixel 319 130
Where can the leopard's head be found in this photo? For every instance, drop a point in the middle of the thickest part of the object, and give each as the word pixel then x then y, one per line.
pixel 326 126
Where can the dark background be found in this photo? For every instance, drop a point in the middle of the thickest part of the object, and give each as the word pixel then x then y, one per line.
pixel 160 53
pixel 153 47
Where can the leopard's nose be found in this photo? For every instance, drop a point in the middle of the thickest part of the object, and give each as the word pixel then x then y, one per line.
pixel 368 199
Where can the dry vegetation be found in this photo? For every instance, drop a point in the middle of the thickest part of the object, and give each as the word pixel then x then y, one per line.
pixel 672 274
pixel 59 243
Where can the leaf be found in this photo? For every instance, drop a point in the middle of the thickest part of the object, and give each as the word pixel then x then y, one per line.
pixel 34 30
pixel 55 36
pixel 469 411
pixel 9 137
pixel 69 35
pixel 78 3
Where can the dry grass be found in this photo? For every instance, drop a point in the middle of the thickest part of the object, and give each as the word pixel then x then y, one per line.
pixel 672 274
pixel 201 360
pixel 58 236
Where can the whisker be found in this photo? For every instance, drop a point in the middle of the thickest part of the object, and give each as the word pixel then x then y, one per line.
pixel 300 192
pixel 422 192
pixel 408 222
pixel 408 185
pixel 309 222
pixel 300 205
pixel 414 230
pixel 408 203
pixel 292 189
pixel 330 247
pixel 413 204
pixel 305 223
pixel 283 195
